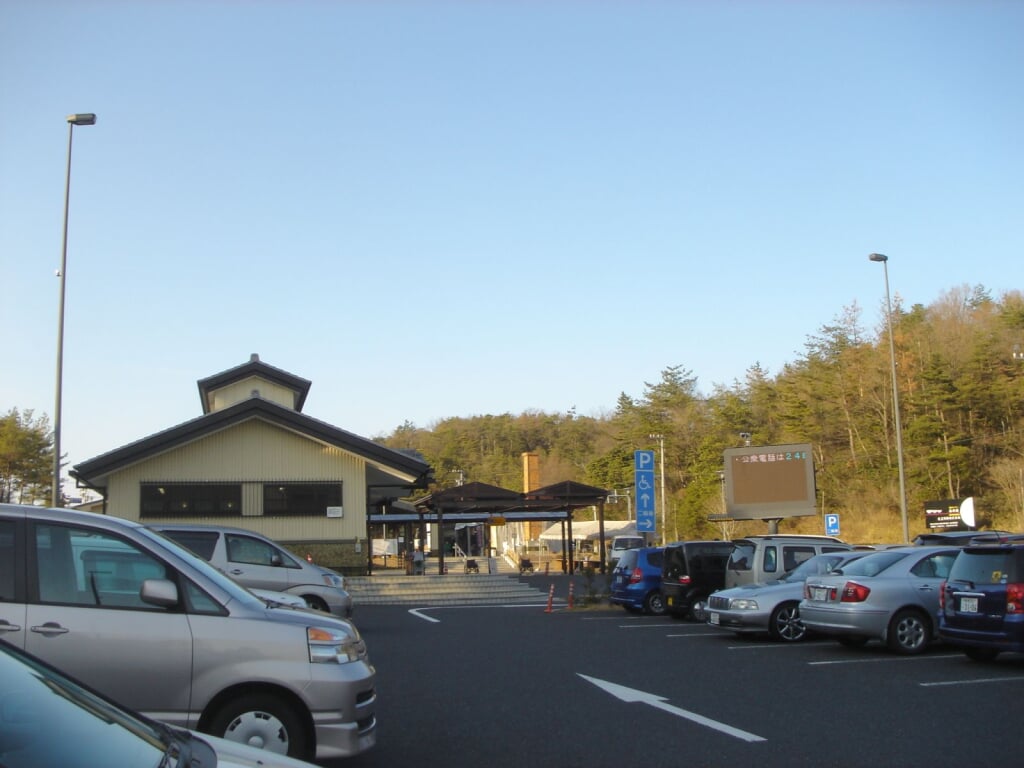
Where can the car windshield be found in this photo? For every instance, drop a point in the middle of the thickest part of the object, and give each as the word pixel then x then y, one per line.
pixel 872 565
pixel 742 556
pixel 46 719
pixel 225 582
pixel 978 568
pixel 812 567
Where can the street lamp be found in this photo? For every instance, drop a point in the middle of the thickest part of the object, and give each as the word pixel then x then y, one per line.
pixel 661 471
pixel 86 118
pixel 895 397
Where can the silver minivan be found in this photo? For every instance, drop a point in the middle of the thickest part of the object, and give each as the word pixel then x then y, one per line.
pixel 256 562
pixel 146 622
pixel 756 559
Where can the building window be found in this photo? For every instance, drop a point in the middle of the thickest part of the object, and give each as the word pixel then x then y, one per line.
pixel 308 499
pixel 190 499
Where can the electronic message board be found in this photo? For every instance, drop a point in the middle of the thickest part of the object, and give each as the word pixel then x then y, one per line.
pixel 769 481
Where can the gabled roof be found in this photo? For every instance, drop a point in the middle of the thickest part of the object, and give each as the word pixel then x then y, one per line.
pixel 568 493
pixel 255 367
pixel 415 472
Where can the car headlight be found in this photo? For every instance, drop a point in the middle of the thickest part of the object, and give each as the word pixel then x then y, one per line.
pixel 743 604
pixel 334 580
pixel 330 645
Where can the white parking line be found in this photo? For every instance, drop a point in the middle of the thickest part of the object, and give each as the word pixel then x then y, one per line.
pixel 882 659
pixel 1015 678
pixel 771 646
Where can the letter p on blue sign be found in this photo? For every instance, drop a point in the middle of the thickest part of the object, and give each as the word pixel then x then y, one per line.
pixel 643 460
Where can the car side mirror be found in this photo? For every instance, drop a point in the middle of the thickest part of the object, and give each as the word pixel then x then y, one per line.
pixel 160 592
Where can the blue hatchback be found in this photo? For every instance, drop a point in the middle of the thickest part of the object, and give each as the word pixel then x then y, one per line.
pixel 636 581
pixel 981 607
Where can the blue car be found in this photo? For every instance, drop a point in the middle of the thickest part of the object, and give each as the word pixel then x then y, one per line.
pixel 636 581
pixel 982 601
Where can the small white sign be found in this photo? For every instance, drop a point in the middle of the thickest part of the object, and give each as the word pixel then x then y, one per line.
pixel 335 512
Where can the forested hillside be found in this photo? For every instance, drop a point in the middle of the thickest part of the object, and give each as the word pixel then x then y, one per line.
pixel 960 370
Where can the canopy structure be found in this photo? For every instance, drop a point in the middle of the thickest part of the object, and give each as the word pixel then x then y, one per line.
pixel 484 503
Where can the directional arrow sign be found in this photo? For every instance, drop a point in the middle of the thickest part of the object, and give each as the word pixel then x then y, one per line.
pixel 643 480
pixel 632 696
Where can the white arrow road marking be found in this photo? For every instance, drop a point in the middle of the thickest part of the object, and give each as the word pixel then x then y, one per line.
pixel 631 696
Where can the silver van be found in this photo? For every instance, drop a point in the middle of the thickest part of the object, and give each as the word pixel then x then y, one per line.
pixel 756 559
pixel 256 562
pixel 146 622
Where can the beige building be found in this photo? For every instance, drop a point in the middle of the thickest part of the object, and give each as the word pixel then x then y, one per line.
pixel 254 460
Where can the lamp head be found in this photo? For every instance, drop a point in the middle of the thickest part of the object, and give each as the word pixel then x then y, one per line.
pixel 878 257
pixel 85 118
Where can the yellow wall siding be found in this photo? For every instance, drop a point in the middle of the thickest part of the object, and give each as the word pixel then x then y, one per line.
pixel 242 390
pixel 252 453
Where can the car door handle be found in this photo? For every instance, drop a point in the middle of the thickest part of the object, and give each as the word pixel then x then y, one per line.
pixel 236 571
pixel 50 628
pixel 6 626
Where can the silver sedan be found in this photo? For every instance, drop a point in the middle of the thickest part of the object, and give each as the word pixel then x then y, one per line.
pixel 773 606
pixel 891 595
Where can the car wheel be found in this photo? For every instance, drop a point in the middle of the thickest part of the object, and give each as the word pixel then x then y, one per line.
pixel 316 603
pixel 698 610
pixel 981 654
pixel 655 604
pixel 908 632
pixel 263 721
pixel 785 624
pixel 852 641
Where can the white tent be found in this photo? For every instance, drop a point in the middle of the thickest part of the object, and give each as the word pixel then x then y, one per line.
pixel 587 530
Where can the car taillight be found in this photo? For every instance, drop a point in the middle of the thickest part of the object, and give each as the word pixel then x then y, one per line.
pixel 684 579
pixel 854 593
pixel 636 577
pixel 1015 598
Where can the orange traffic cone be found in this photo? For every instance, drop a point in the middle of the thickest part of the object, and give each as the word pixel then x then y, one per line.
pixel 551 598
pixel 571 585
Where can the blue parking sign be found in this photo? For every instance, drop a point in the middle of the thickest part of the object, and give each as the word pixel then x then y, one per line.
pixel 831 525
pixel 643 479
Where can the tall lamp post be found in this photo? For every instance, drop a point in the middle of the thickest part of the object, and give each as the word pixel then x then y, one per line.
pixel 86 118
pixel 661 472
pixel 895 397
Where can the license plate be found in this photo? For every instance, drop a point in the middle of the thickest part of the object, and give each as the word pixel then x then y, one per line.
pixel 819 593
pixel 713 619
pixel 968 605
pixel 670 601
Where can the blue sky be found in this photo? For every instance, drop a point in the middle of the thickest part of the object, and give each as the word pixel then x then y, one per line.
pixel 435 209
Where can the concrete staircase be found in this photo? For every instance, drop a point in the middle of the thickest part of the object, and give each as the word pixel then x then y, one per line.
pixel 453 588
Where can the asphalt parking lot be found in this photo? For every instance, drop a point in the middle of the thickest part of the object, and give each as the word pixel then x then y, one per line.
pixel 516 687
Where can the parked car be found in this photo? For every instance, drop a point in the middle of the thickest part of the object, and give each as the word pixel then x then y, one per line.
pixel 891 595
pixel 255 561
pixel 49 719
pixel 692 570
pixel 773 607
pixel 757 559
pixel 955 538
pixel 982 603
pixel 622 544
pixel 153 626
pixel 636 581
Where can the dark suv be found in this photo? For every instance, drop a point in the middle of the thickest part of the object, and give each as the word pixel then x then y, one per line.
pixel 691 571
pixel 981 605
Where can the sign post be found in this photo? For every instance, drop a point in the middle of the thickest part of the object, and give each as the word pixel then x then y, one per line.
pixel 643 479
